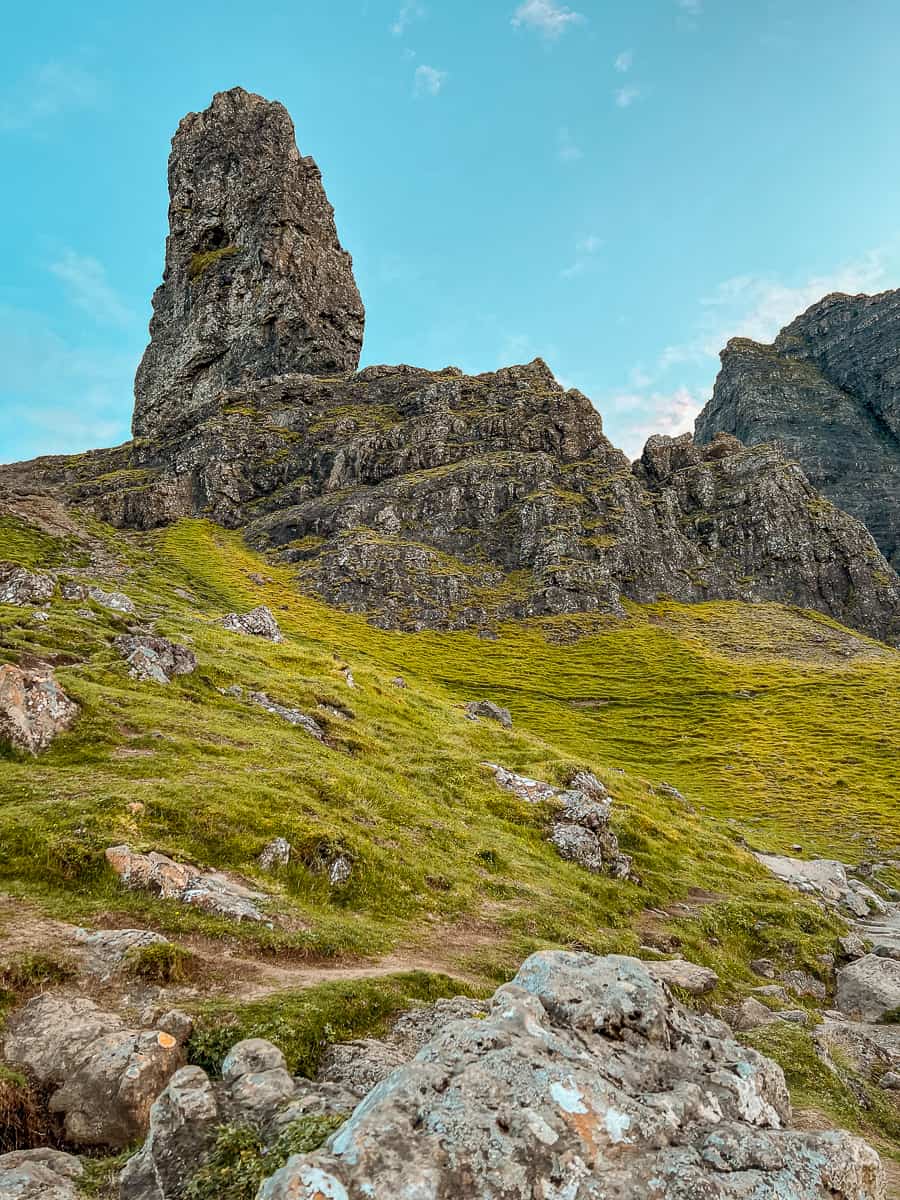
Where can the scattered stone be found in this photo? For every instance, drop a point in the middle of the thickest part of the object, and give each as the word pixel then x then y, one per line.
pixel 155 658
pixel 235 691
pixel 259 622
pixel 687 976
pixel 348 678
pixel 179 1024
pixel 801 983
pixel 774 991
pixel 34 710
pixel 869 987
pixel 21 587
pixel 398 682
pixel 292 715
pixel 40 1175
pixel 276 853
pixel 213 891
pixel 532 791
pixel 116 601
pixel 753 1014
pixel 764 967
pixel 107 948
pixel 890 1080
pixel 586 1078
pixel 794 1016
pixel 103 1076
pixel 340 871
pixel 490 711
pixel 40 618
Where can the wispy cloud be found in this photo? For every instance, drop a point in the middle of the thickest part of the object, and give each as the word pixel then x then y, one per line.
pixel 626 96
pixel 49 91
pixel 88 287
pixel 586 251
pixel 429 81
pixel 546 17
pixel 623 61
pixel 567 149
pixel 409 12
pixel 643 414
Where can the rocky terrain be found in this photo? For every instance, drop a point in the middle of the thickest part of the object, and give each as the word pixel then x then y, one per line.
pixel 828 392
pixel 403 793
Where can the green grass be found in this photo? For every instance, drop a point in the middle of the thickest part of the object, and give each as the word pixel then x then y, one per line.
pixel 161 963
pixel 203 261
pixel 304 1023
pixel 754 712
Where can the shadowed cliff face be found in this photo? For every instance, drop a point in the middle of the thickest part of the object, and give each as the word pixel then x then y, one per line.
pixel 422 499
pixel 256 282
pixel 828 390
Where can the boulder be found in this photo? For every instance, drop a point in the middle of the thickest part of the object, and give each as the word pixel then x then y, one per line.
pixel 115 601
pixel 585 1080
pixel 213 891
pixel 102 1075
pixel 105 949
pixel 801 983
pixel 869 987
pixel 490 711
pixel 40 1175
pixel 155 658
pixel 276 853
pixel 532 791
pixel 258 622
pixel 34 709
pixel 688 976
pixel 577 845
pixel 22 587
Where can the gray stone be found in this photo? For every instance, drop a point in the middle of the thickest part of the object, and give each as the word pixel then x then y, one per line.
pixel 869 987
pixel 688 976
pixel 292 715
pixel 532 791
pixel 252 1056
pixel 22 587
pixel 259 622
pixel 753 1014
pixel 102 1075
pixel 585 1080
pixel 42 1174
pixel 276 853
pixel 34 709
pixel 491 711
pixel 105 949
pixel 890 1080
pixel 115 601
pixel 340 871
pixel 851 946
pixel 213 891
pixel 578 845
pixel 256 284
pixel 801 983
pixel 155 658
pixel 764 967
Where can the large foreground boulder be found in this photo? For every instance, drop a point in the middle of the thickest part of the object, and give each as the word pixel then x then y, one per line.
pixel 102 1076
pixel 587 1081
pixel 33 707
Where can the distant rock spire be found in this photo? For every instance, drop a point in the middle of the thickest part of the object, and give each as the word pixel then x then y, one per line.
pixel 256 283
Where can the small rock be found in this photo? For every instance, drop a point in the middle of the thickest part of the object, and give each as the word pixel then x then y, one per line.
pixel 39 1175
pixel 212 891
pixel 883 950
pixel 869 987
pixel 340 871
pixel 250 1057
pixel 292 715
pixel 794 1016
pixel 398 682
pixel 890 1080
pixel 33 707
pixel 752 1014
pixel 276 854
pixel 40 618
pixel 774 991
pixel 177 1023
pixel 801 983
pixel 116 601
pixel 348 678
pixel 532 791
pixel 688 976
pixel 155 658
pixel 259 622
pixel 764 967
pixel 489 710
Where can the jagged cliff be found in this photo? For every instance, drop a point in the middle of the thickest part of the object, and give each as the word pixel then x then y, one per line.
pixel 827 390
pixel 423 499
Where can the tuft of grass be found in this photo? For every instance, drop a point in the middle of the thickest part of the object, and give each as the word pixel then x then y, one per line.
pixel 160 963
pixel 240 1159
pixel 304 1023
pixel 203 261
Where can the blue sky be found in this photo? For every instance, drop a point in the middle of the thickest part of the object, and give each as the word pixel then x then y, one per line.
pixel 616 185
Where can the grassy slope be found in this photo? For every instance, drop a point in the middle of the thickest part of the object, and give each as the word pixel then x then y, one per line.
pixel 755 713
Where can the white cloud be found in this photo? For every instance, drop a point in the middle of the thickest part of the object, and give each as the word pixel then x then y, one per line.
pixel 88 288
pixel 49 91
pixel 410 12
pixel 546 17
pixel 429 81
pixel 672 413
pixel 624 61
pixel 585 251
pixel 567 150
pixel 626 96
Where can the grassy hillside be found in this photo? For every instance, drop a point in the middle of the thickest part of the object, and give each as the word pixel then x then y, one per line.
pixel 776 725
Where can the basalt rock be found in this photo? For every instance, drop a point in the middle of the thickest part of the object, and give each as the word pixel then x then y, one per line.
pixel 827 390
pixel 256 283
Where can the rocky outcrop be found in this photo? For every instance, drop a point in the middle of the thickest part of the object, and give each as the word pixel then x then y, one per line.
pixel 585 1079
pixel 19 586
pixel 256 284
pixel 155 658
pixel 102 1076
pixel 213 891
pixel 34 709
pixel 259 622
pixel 828 391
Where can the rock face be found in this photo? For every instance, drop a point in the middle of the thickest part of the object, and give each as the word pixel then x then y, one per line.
pixel 102 1075
pixel 585 1080
pixel 827 390
pixel 256 284
pixel 33 707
